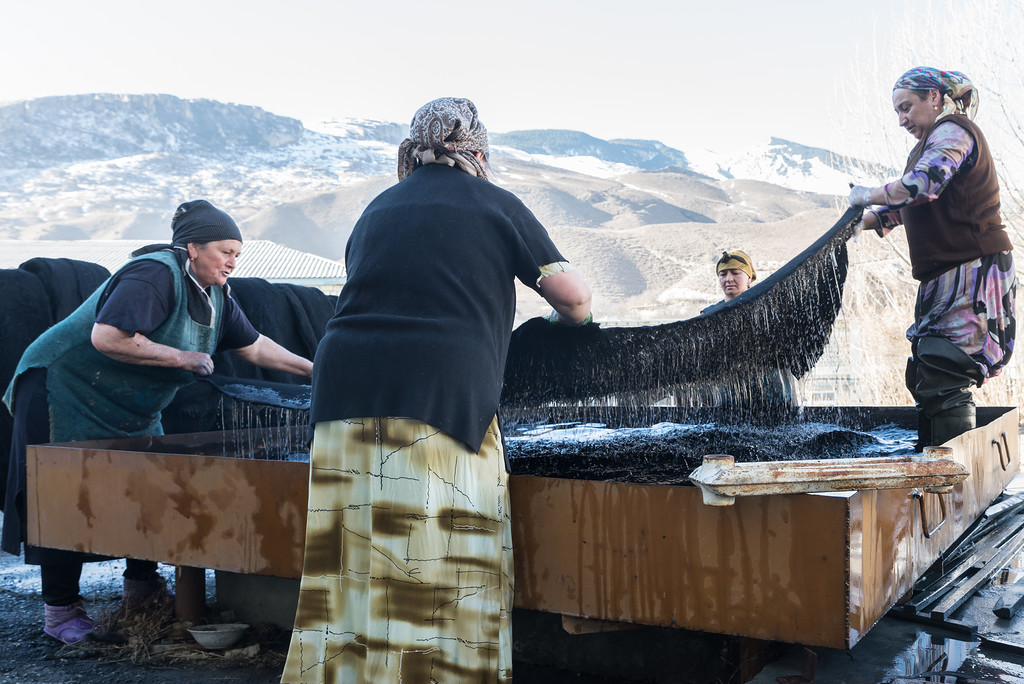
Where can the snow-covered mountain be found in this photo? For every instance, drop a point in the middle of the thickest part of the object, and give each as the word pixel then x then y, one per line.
pixel 62 131
pixel 610 157
pixel 777 161
pixel 79 128
pixel 793 165
pixel 81 154
pixel 63 147
pixel 635 213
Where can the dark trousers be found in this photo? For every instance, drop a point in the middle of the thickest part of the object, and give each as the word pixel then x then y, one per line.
pixel 940 376
pixel 60 581
pixel 60 570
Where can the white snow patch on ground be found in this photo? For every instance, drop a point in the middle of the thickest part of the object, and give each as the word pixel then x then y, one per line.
pixel 103 579
pixel 707 163
pixel 649 191
pixel 97 578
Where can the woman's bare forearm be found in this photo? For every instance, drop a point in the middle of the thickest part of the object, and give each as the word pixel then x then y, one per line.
pixel 138 349
pixel 266 353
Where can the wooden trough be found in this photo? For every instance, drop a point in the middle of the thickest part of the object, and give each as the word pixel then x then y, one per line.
pixel 813 568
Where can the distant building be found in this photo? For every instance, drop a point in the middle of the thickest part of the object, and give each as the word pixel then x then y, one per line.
pixel 260 259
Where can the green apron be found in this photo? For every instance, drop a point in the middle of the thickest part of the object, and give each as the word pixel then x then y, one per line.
pixel 93 396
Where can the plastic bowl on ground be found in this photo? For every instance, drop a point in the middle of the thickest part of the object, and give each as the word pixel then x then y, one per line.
pixel 214 637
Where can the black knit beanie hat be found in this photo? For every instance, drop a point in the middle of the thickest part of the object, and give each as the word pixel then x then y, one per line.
pixel 199 221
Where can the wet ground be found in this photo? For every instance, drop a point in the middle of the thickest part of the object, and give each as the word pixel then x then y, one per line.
pixel 901 652
pixel 974 646
pixel 27 656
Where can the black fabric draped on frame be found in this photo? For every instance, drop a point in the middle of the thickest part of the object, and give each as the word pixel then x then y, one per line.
pixel 782 324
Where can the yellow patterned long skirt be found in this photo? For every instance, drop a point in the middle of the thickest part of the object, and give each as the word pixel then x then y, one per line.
pixel 408 570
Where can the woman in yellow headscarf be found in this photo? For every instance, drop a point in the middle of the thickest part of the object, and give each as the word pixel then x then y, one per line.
pixel 735 273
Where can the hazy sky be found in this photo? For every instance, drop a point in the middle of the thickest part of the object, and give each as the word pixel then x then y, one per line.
pixel 718 74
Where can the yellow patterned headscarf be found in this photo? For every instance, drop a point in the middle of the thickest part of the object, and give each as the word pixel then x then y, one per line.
pixel 444 131
pixel 736 259
pixel 959 96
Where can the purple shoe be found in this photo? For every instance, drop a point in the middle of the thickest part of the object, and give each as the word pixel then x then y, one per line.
pixel 68 624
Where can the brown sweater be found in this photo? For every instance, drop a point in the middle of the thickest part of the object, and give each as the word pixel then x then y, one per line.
pixel 963 223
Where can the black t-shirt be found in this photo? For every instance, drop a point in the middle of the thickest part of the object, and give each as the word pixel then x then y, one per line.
pixel 422 325
pixel 142 295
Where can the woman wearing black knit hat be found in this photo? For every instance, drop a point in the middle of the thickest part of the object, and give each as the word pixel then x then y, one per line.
pixel 112 366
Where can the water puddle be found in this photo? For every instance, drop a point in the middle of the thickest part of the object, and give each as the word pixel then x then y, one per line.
pixel 1013 571
pixel 931 654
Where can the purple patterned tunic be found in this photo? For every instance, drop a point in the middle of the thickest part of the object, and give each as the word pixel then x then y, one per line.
pixel 972 305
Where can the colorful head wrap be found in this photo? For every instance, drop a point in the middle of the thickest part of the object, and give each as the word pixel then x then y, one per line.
pixel 959 96
pixel 736 259
pixel 444 131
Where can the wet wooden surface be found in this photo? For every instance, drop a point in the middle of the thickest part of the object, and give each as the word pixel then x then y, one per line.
pixel 817 569
pixel 243 515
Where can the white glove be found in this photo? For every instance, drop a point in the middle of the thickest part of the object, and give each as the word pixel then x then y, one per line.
pixel 860 196
pixel 858 228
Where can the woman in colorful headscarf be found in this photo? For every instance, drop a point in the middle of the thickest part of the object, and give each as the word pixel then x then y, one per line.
pixel 112 366
pixel 408 573
pixel 948 201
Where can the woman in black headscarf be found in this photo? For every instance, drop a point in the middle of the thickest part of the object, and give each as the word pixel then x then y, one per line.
pixel 112 366
pixel 408 567
pixel 948 200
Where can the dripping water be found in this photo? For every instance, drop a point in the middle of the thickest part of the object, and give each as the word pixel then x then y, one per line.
pixel 737 367
pixel 744 356
pixel 260 423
